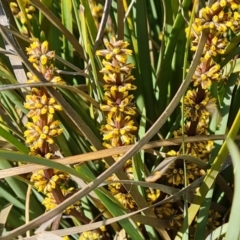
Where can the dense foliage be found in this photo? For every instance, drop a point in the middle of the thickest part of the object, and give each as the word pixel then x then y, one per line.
pixel 117 118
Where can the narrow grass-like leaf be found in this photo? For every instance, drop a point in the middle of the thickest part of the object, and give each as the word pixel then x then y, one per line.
pixel 7 74
pixel 75 5
pixel 67 21
pixel 225 105
pixel 17 187
pixel 234 104
pixel 90 21
pixel 202 218
pixel 13 140
pixel 233 44
pixel 218 232
pixel 165 71
pixel 5 193
pixel 105 153
pixel 3 216
pixel 145 77
pixel 13 156
pixel 82 193
pixel 231 67
pixel 233 230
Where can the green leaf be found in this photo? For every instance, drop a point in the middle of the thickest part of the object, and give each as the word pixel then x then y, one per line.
pixel 233 231
pixel 13 156
pixel 3 216
pixel 231 67
pixel 13 140
pixel 5 193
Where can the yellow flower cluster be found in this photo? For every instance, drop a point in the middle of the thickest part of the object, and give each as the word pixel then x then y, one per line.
pixel 218 19
pixel 168 212
pixel 214 221
pixel 45 183
pixel 29 9
pixel 96 9
pixel 42 128
pixel 93 235
pixel 120 127
pixel 118 103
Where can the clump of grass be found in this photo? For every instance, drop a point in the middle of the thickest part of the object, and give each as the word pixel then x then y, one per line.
pixel 102 84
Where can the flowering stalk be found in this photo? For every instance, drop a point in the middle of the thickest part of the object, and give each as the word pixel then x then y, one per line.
pixel 120 126
pixel 218 20
pixel 221 17
pixel 29 9
pixel 43 128
pixel 26 11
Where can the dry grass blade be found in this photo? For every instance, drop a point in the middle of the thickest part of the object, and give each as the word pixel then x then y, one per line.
pixel 3 216
pixel 104 153
pixel 164 165
pixel 155 222
pixel 76 89
pixel 163 188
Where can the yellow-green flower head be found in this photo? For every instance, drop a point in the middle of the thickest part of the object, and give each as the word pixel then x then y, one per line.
pixel 167 211
pixel 122 83
pixel 214 220
pixel 213 18
pixel 36 134
pixel 90 235
pixel 234 22
pixel 126 200
pixel 38 53
pixel 48 73
pixel 50 202
pixel 115 67
pixel 115 50
pixel 214 45
pixel 128 168
pixel 152 195
pixel 114 187
pixel 38 103
pixel 44 183
pixel 119 101
pixel 47 155
pixel 233 4
pixel 205 73
pixel 96 9
pixel 197 149
pixel 14 8
pixel 65 238
pixel 29 9
pixel 175 173
pixel 201 129
pixel 119 129
pixel 221 16
pixel 195 108
pixel 93 235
